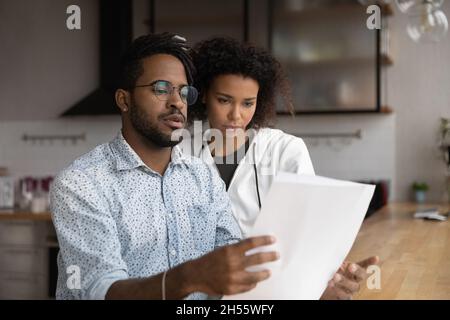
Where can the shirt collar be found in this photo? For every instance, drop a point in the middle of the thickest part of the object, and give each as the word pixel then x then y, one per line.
pixel 126 158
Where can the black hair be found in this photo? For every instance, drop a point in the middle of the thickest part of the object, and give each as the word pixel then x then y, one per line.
pixel 145 46
pixel 223 56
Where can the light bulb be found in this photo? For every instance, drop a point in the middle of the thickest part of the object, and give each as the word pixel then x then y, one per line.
pixel 406 5
pixel 426 23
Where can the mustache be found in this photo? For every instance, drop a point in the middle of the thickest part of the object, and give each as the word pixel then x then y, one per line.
pixel 173 112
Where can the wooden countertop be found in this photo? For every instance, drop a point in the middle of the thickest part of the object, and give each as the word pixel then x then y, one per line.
pixel 28 216
pixel 415 254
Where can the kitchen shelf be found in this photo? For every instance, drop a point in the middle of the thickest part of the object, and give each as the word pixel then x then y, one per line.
pixel 345 62
pixel 331 10
pixel 384 110
pixel 386 60
pixel 24 216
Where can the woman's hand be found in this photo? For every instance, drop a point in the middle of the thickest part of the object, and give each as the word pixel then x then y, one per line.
pixel 347 281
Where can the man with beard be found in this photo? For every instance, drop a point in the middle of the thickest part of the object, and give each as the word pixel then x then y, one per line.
pixel 135 218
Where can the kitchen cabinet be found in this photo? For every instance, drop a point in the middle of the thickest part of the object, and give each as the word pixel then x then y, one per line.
pixel 24 262
pixel 333 60
pixel 335 64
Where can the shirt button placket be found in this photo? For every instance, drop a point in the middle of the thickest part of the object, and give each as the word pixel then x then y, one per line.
pixel 171 228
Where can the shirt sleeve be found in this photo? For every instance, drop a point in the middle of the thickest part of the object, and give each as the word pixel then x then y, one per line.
pixel 227 230
pixel 87 235
pixel 295 157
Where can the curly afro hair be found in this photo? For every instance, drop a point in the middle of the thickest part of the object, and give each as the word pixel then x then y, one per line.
pixel 223 56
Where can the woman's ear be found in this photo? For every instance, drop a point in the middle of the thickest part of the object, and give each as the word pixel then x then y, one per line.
pixel 204 105
pixel 203 98
pixel 122 100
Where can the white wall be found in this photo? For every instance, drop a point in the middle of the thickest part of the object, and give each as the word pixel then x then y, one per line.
pixel 24 158
pixel 370 158
pixel 419 92
pixel 45 68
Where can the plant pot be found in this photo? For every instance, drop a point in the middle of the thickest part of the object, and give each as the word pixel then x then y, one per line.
pixel 447 187
pixel 420 196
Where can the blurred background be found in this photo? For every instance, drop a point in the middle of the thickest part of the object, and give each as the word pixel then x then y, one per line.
pixel 371 105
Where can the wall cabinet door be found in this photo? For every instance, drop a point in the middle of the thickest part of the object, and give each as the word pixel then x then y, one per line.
pixel 331 57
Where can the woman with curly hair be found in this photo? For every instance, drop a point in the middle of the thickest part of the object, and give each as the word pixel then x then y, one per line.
pixel 239 85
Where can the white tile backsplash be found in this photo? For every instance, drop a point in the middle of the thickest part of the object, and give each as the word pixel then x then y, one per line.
pixel 370 158
pixel 48 158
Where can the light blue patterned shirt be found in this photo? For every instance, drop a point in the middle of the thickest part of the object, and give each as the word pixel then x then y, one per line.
pixel 116 218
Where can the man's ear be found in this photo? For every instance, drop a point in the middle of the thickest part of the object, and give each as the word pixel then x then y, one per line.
pixel 122 100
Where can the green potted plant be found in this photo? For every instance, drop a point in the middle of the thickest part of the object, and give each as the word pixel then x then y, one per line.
pixel 420 189
pixel 445 148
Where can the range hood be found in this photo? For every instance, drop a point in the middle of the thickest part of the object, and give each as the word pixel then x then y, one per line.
pixel 115 37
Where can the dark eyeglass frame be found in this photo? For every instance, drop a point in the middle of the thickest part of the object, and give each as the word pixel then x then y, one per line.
pixel 171 88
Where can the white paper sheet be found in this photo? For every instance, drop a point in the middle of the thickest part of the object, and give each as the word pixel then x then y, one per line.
pixel 315 221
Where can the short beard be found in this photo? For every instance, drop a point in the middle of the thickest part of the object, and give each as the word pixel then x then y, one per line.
pixel 149 130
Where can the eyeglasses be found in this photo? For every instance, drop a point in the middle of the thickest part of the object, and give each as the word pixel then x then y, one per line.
pixel 164 89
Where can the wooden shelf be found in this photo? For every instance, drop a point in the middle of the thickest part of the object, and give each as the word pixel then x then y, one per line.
pixel 25 216
pixel 331 10
pixel 338 112
pixel 386 60
pixel 386 110
pixel 387 9
pixel 344 62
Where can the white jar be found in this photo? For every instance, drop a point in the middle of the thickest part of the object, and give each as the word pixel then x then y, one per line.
pixel 39 204
pixel 6 193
